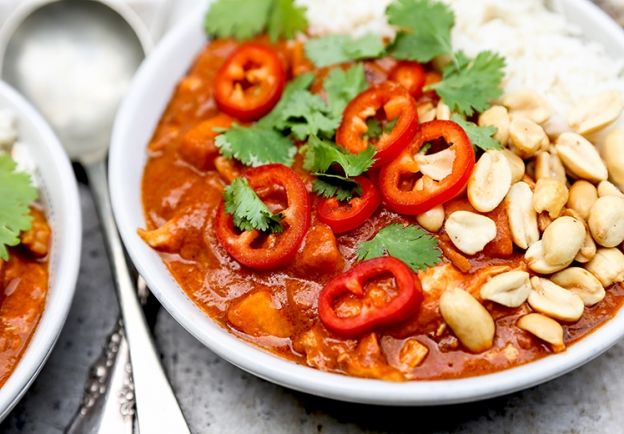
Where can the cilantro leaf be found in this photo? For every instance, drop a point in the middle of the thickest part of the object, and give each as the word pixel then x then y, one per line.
pixel 286 19
pixel 247 209
pixel 305 115
pixel 410 244
pixel 480 137
pixel 16 194
pixel 333 49
pixel 469 85
pixel 276 115
pixel 255 146
pixel 320 155
pixel 342 86
pixel 424 29
pixel 241 19
pixel 375 129
pixel 343 188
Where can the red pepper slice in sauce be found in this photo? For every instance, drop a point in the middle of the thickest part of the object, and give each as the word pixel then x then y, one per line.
pixel 387 102
pixel 373 312
pixel 410 75
pixel 402 189
pixel 250 82
pixel 274 184
pixel 345 216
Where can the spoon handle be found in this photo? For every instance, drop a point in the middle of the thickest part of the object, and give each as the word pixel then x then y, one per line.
pixel 157 408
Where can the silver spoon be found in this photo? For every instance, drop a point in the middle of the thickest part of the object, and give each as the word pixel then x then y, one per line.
pixel 74 59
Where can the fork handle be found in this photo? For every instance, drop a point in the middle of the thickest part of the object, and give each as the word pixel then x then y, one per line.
pixel 157 408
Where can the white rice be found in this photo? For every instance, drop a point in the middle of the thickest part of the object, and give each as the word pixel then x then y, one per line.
pixel 544 51
pixel 9 144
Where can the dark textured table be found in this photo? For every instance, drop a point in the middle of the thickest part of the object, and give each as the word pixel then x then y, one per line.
pixel 219 398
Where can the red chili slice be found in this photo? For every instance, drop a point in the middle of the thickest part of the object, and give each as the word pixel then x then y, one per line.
pixel 345 216
pixel 400 187
pixel 410 75
pixel 274 184
pixel 386 102
pixel 373 312
pixel 250 82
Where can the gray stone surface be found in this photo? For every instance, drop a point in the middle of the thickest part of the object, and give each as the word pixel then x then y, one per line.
pixel 219 398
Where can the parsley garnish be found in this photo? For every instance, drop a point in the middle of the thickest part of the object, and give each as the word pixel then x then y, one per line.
pixel 469 85
pixel 16 194
pixel 247 209
pixel 480 137
pixel 343 188
pixel 255 146
pixel 424 29
pixel 333 49
pixel 410 244
pixel 320 155
pixel 244 19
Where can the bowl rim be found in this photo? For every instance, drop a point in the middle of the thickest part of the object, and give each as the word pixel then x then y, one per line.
pixel 271 367
pixel 60 295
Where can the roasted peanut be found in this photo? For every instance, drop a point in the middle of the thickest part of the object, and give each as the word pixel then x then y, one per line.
pixel 426 112
pixel 528 104
pixel 547 329
pixel 510 289
pixel 515 164
pixel 496 116
pixel 580 157
pixel 562 240
pixel 582 197
pixel 594 113
pixel 588 249
pixel 554 301
pixel 433 219
pixel 534 257
pixel 527 137
pixel 489 182
pixel 608 266
pixel 548 165
pixel 550 195
pixel 470 321
pixel 582 283
pixel 443 112
pixel 606 188
pixel 613 152
pixel 606 221
pixel 469 231
pixel 521 215
pixel 438 165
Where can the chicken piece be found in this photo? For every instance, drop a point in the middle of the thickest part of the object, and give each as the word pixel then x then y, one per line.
pixel 170 236
pixel 412 354
pixel 368 361
pixel 37 239
pixel 320 251
pixel 198 147
pixel 257 315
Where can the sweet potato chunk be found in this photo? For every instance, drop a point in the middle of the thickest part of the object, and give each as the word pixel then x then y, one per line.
pixel 320 251
pixel 256 315
pixel 198 144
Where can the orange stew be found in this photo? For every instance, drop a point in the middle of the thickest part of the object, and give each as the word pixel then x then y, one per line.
pixel 277 310
pixel 24 280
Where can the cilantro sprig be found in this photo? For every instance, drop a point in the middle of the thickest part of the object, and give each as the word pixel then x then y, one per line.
pixel 410 244
pixel 255 146
pixel 244 19
pixel 16 195
pixel 480 137
pixel 247 209
pixel 333 49
pixel 342 188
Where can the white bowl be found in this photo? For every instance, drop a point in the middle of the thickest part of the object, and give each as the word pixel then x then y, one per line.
pixel 59 194
pixel 135 123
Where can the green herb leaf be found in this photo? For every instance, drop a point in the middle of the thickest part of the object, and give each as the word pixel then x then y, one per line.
pixel 320 155
pixel 240 19
pixel 256 146
pixel 247 209
pixel 333 49
pixel 342 86
pixel 480 137
pixel 277 115
pixel 424 29
pixel 305 115
pixel 375 129
pixel 469 85
pixel 343 188
pixel 286 20
pixel 410 244
pixel 17 193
